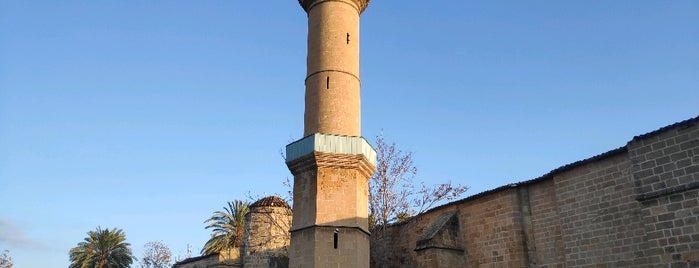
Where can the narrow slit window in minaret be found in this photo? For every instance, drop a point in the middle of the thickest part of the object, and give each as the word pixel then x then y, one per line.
pixel 347 38
pixel 335 239
pixel 327 82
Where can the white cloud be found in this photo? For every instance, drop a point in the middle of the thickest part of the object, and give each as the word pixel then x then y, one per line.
pixel 12 235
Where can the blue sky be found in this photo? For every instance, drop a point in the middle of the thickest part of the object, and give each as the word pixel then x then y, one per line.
pixel 150 115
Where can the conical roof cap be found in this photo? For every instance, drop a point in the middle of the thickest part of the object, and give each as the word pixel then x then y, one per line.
pixel 270 201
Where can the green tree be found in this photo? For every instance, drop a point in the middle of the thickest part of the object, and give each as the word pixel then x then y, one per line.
pixel 227 227
pixel 102 248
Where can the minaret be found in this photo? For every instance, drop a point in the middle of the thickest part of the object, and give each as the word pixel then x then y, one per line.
pixel 332 163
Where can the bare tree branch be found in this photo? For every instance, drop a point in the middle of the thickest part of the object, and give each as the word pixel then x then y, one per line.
pixel 5 259
pixel 156 255
pixel 393 196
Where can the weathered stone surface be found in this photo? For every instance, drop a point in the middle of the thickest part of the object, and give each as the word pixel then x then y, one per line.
pixel 443 233
pixel 636 206
pixel 266 237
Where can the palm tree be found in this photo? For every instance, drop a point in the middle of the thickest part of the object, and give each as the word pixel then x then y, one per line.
pixel 228 227
pixel 102 248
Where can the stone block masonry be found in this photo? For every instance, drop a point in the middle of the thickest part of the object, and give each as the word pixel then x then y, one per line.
pixel 332 164
pixel 635 206
pixel 666 172
pixel 599 215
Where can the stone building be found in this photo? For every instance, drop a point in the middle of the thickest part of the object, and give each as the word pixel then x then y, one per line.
pixel 635 206
pixel 265 240
pixel 267 234
pixel 218 260
pixel 332 163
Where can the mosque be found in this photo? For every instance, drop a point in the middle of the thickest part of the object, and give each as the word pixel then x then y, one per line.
pixel 634 206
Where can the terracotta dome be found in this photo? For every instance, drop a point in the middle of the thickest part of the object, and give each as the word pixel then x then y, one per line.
pixel 270 201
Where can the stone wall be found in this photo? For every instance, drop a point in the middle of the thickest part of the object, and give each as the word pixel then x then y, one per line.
pixel 227 258
pixel 265 240
pixel 636 206
pixel 266 237
pixel 546 228
pixel 491 231
pixel 666 171
pixel 599 215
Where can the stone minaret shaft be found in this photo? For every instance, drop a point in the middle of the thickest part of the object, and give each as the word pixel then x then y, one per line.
pixel 332 163
pixel 332 76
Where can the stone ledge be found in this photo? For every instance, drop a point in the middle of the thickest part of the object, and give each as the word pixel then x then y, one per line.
pixel 360 5
pixel 332 227
pixel 335 144
pixel 667 191
pixel 317 160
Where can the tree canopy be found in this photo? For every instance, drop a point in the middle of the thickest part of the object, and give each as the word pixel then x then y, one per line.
pixel 102 248
pixel 227 227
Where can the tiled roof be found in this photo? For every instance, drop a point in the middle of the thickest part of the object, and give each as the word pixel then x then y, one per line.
pixel 681 124
pixel 193 259
pixel 270 201
pixel 623 149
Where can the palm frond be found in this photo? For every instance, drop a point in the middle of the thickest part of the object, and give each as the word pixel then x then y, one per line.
pixel 227 227
pixel 102 248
